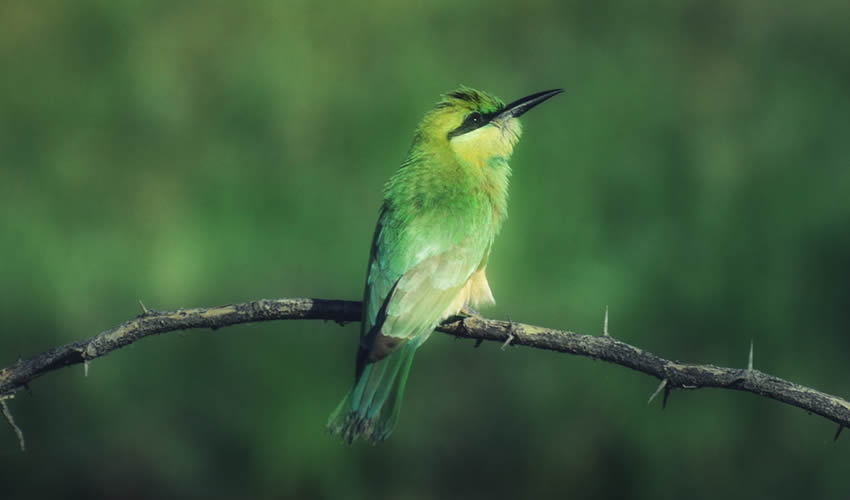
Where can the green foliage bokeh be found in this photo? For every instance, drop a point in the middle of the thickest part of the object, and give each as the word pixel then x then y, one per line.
pixel 694 178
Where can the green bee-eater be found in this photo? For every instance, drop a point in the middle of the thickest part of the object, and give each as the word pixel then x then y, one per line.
pixel 442 210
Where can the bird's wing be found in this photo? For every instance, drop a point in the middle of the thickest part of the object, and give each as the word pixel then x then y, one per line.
pixel 417 268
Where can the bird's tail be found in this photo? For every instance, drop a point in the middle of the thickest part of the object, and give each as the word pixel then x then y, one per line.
pixel 370 410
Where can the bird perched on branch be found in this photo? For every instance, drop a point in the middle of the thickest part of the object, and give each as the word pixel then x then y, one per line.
pixel 442 210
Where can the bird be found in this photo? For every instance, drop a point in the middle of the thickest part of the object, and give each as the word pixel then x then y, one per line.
pixel 441 212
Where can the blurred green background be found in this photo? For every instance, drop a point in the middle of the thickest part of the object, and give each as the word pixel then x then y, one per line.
pixel 694 178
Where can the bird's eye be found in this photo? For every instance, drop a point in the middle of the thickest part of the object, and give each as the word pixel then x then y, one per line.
pixel 473 121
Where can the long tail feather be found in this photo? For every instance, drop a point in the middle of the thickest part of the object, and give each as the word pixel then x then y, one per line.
pixel 370 410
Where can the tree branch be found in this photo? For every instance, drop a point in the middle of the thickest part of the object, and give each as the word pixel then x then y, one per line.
pixel 674 375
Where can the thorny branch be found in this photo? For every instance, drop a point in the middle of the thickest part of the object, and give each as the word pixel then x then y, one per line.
pixel 673 374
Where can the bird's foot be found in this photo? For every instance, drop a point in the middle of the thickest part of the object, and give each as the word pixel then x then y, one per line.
pixel 466 312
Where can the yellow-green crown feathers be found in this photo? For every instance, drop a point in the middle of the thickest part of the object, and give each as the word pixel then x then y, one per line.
pixel 458 112
pixel 468 99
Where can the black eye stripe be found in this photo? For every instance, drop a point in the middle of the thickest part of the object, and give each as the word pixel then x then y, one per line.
pixel 472 121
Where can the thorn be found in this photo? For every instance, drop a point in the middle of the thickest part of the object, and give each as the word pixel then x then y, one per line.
pixel 661 386
pixel 666 396
pixel 144 309
pixel 511 335
pixel 86 354
pixel 8 415
pixel 750 358
pixel 478 342
pixel 508 342
pixel 605 324
pixel 838 432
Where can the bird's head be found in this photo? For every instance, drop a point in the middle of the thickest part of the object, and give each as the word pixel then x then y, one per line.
pixel 477 126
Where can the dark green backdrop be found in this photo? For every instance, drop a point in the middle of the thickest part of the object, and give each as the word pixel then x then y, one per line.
pixel 694 178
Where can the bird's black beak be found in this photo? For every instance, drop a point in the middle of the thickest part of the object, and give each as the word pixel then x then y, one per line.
pixel 520 106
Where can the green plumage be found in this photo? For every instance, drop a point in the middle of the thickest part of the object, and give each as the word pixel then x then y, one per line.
pixel 441 211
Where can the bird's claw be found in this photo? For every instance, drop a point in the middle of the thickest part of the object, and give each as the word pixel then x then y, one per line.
pixel 468 312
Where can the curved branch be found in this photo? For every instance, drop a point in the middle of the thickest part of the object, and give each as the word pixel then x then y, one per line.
pixel 674 375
